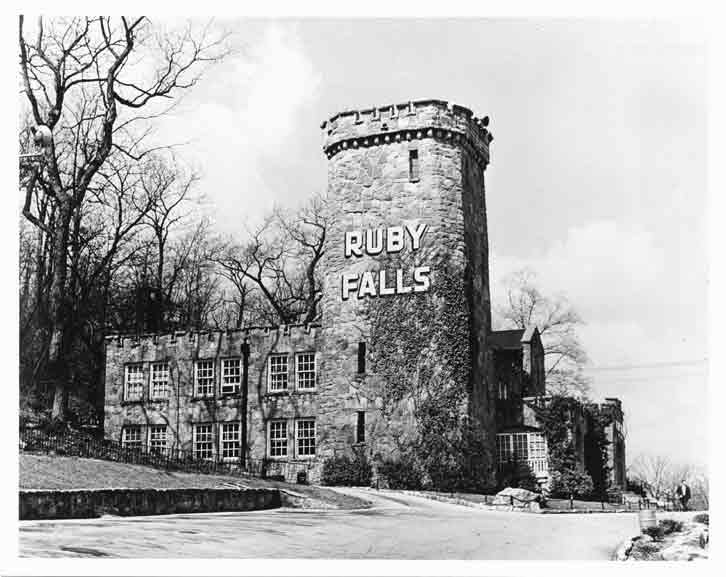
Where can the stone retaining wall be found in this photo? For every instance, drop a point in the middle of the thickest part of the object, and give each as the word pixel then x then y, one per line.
pixel 80 504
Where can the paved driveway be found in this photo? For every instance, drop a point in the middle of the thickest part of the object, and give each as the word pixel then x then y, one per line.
pixel 398 526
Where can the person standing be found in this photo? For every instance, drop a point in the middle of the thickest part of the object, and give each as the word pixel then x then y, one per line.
pixel 683 492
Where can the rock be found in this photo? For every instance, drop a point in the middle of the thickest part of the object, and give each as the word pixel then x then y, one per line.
pixel 515 496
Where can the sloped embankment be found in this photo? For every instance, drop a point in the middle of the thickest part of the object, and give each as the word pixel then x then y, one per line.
pixel 61 487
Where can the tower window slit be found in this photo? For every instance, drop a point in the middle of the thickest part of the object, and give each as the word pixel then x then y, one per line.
pixel 413 166
pixel 360 436
pixel 361 358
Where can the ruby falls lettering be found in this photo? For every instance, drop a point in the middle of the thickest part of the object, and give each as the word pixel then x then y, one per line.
pixel 390 240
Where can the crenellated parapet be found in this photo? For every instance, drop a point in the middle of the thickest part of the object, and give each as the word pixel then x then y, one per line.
pixel 197 337
pixel 410 121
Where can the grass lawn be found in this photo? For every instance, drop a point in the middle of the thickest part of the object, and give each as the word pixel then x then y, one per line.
pixel 39 471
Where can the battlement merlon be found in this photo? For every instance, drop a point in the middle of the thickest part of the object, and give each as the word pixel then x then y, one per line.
pixel 409 121
pixel 168 338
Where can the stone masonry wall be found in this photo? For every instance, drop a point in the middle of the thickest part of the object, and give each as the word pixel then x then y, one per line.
pixel 409 165
pixel 88 504
pixel 371 186
pixel 183 409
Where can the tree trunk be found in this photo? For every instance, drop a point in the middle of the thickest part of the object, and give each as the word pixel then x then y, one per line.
pixel 241 307
pixel 159 297
pixel 57 308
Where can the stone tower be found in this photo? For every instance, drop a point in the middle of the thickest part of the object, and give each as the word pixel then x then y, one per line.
pixel 407 214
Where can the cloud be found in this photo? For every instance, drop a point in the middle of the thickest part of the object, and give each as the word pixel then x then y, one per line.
pixel 279 81
pixel 620 279
pixel 242 119
pixel 604 268
pixel 617 278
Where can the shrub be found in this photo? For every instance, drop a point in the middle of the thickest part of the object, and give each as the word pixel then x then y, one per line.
pixel 614 496
pixel 571 483
pixel 670 526
pixel 400 474
pixel 54 426
pixel 701 518
pixel 344 470
pixel 529 482
pixel 656 533
pixel 645 552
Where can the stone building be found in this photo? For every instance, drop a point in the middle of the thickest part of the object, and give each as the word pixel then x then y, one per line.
pixel 407 224
pixel 218 395
pixel 519 373
pixel 616 442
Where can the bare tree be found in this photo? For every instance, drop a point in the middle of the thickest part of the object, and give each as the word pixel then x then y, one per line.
pixel 237 308
pixel 654 473
pixel 557 321
pixel 281 261
pixel 193 286
pixel 93 81
pixel 306 229
pixel 168 188
pixel 660 476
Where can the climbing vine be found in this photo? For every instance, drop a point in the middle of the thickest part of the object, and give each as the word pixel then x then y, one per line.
pixel 558 418
pixel 596 449
pixel 420 353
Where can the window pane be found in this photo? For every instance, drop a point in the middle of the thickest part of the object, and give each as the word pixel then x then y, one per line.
pixel 278 438
pixel 159 380
pixel 537 446
pixel 203 442
pixel 305 437
pixel 520 447
pixel 231 375
pixel 131 436
pixel 157 438
pixel 204 378
pixel 306 370
pixel 278 372
pixel 134 385
pixel 230 440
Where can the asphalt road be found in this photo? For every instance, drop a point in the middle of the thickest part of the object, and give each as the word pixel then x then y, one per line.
pixel 397 527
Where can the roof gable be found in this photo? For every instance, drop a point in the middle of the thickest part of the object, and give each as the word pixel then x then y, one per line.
pixel 509 339
pixel 512 339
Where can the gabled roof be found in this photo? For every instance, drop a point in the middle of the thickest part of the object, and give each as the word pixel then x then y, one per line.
pixel 529 334
pixel 512 339
pixel 521 429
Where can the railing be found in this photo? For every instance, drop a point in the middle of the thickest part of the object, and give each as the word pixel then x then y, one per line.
pixel 171 459
pixel 538 466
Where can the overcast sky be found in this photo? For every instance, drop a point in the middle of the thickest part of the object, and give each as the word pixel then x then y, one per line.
pixel 597 179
